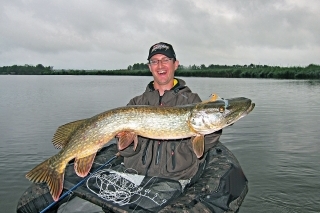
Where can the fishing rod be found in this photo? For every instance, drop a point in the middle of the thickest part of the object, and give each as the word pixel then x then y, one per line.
pixel 78 184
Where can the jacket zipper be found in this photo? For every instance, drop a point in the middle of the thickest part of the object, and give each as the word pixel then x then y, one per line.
pixel 173 147
pixel 160 101
pixel 158 155
pixel 144 154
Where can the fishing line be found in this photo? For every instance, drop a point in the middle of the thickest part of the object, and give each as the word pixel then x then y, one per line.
pixel 170 158
pixel 78 184
pixel 121 187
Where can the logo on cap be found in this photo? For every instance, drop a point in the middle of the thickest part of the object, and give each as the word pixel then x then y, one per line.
pixel 159 47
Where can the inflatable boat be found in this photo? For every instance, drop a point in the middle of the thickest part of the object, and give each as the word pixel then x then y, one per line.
pixel 222 187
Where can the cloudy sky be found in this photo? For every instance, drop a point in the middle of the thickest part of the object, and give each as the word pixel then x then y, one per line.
pixel 105 34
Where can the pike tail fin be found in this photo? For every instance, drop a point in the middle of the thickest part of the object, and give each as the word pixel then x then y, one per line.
pixel 44 173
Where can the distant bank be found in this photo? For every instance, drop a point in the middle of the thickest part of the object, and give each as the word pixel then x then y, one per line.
pixel 311 71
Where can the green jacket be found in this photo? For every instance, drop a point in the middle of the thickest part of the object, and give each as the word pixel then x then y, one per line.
pixel 173 159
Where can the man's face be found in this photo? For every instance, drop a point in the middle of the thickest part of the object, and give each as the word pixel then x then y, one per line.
pixel 162 69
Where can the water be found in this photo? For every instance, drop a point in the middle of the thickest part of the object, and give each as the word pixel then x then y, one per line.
pixel 277 144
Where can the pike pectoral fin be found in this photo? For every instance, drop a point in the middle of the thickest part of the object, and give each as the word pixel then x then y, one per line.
pixel 82 166
pixel 126 138
pixel 45 173
pixel 62 135
pixel 198 145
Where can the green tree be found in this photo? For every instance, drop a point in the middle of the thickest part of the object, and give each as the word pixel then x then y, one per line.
pixel 202 66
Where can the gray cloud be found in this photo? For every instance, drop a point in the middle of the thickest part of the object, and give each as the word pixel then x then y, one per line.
pixel 101 34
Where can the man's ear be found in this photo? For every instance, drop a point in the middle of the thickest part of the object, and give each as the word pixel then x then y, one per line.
pixel 176 64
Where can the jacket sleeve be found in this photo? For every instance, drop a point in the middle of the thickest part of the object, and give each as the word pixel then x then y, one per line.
pixel 211 140
pixel 132 102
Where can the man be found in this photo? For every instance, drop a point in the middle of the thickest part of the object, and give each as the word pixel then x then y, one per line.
pixel 172 159
pixel 213 183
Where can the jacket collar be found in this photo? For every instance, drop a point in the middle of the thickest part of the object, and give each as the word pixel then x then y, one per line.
pixel 178 85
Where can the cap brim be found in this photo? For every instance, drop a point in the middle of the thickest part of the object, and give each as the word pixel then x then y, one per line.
pixel 162 53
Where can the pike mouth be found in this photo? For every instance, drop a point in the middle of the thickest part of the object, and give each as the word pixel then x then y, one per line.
pixel 251 107
pixel 243 114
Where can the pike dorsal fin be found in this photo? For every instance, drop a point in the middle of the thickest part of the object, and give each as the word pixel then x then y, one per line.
pixel 64 132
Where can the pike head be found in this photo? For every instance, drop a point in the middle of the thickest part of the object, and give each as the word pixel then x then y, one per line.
pixel 211 116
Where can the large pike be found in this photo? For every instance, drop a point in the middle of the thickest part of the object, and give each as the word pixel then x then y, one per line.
pixel 83 138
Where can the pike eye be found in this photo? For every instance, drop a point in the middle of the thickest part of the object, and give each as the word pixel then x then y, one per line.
pixel 221 109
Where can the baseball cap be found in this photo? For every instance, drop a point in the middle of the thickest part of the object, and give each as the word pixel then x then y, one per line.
pixel 162 48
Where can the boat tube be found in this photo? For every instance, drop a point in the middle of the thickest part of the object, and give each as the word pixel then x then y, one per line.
pixel 221 186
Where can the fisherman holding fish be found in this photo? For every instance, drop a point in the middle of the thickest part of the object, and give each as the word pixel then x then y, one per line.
pixel 173 159
pixel 169 145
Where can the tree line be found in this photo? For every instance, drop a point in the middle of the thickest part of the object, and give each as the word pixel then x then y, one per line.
pixel 26 70
pixel 311 71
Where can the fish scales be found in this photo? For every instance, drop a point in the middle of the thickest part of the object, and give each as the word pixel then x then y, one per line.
pixel 162 122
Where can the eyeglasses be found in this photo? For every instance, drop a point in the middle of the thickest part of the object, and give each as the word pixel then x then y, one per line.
pixel 163 61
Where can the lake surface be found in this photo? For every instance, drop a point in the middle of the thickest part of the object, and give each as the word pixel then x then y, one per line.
pixel 277 144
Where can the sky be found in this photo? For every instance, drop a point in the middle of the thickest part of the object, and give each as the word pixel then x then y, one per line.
pixel 108 35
